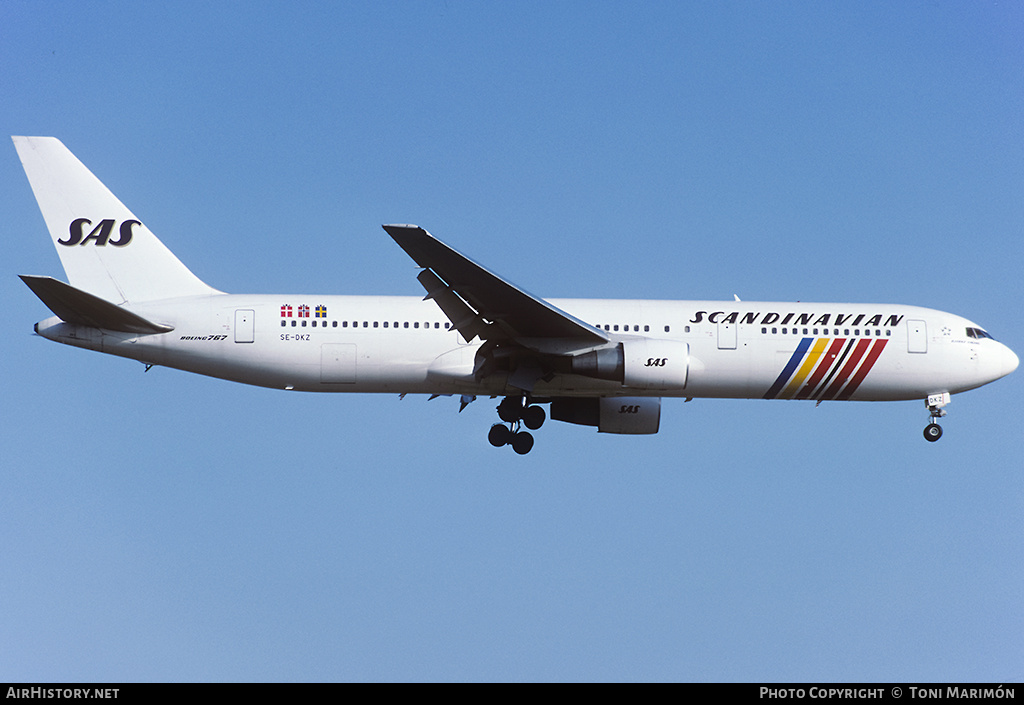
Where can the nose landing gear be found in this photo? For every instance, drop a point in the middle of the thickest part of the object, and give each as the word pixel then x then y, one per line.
pixel 516 413
pixel 935 402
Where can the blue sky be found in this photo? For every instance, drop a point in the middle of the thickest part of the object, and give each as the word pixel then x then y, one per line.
pixel 165 526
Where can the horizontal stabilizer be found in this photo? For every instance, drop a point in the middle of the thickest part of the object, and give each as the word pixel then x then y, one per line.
pixel 82 308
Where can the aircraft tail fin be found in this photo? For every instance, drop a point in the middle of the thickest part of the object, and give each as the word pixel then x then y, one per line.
pixel 82 308
pixel 105 250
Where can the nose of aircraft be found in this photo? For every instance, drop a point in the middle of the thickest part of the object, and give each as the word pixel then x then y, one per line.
pixel 1010 361
pixel 1005 361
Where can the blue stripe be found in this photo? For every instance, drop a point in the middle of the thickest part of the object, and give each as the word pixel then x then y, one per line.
pixel 791 366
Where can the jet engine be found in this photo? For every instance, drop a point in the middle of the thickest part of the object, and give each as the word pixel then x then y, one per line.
pixel 632 415
pixel 643 363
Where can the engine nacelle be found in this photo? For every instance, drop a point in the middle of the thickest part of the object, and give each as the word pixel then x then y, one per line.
pixel 656 364
pixel 633 415
pixel 642 363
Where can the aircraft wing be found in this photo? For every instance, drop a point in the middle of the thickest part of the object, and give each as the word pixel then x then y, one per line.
pixel 479 302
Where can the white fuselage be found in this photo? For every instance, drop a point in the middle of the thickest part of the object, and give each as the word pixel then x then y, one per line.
pixel 737 349
pixel 603 363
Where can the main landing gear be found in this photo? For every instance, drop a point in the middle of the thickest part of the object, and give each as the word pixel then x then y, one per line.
pixel 516 412
pixel 935 402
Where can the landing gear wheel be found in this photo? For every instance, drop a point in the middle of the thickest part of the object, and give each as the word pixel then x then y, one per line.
pixel 522 443
pixel 510 409
pixel 935 402
pixel 533 417
pixel 499 435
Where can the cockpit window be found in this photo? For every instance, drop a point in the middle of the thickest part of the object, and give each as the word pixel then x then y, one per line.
pixel 978 333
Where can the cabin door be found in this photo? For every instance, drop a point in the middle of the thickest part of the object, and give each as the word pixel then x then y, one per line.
pixel 917 337
pixel 726 336
pixel 245 326
pixel 337 363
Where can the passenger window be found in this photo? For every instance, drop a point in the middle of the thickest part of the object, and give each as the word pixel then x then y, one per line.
pixel 666 329
pixel 647 329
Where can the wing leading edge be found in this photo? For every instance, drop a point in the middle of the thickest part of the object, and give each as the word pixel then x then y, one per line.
pixel 480 303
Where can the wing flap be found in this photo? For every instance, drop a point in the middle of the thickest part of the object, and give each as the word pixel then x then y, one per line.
pixel 464 319
pixel 73 305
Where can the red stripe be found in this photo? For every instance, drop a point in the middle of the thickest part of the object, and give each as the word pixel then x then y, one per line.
pixel 855 356
pixel 826 362
pixel 869 362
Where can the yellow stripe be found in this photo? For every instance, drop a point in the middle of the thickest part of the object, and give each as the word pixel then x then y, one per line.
pixel 805 369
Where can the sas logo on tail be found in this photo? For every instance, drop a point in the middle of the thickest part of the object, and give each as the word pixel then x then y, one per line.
pixel 100 234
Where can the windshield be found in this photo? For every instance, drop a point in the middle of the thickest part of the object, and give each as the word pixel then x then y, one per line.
pixel 978 333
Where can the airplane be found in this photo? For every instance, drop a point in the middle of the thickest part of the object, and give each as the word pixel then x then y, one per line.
pixel 594 362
